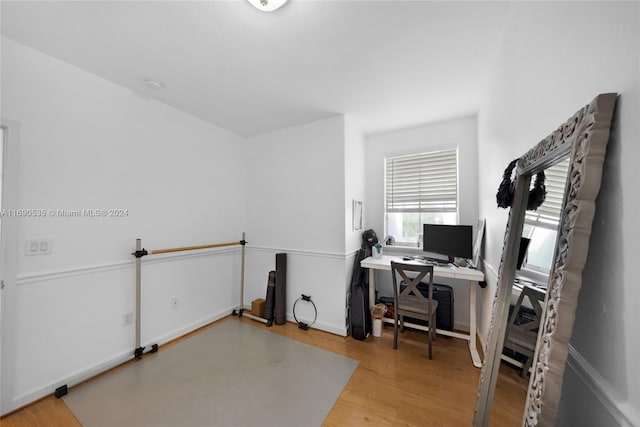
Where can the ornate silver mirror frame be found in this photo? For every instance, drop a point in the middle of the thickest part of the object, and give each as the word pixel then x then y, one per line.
pixel 584 138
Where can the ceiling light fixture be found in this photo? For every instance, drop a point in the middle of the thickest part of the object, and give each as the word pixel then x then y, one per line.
pixel 267 5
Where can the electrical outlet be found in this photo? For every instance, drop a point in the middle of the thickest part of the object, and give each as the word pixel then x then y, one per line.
pixel 127 319
pixel 175 302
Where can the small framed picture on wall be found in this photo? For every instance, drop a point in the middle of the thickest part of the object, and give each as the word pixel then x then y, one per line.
pixel 477 244
pixel 357 215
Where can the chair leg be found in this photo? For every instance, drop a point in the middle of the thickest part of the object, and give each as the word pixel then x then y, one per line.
pixel 430 341
pixel 395 331
pixel 435 327
pixel 525 367
pixel 432 334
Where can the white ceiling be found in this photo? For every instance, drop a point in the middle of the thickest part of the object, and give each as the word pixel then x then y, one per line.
pixel 385 64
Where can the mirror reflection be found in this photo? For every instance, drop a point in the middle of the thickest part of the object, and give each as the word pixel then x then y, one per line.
pixel 534 264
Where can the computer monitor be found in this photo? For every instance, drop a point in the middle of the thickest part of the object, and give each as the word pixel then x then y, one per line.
pixel 522 252
pixel 449 240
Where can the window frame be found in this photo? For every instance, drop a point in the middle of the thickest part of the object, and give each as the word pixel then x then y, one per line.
pixel 432 151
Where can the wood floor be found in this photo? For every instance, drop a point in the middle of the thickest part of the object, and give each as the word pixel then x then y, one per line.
pixel 389 388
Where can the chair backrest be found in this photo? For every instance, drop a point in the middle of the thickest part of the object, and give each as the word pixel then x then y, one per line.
pixel 529 327
pixel 411 289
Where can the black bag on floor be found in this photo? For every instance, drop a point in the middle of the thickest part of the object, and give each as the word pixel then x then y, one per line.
pixel 444 313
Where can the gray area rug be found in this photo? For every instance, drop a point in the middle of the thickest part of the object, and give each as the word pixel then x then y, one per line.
pixel 232 374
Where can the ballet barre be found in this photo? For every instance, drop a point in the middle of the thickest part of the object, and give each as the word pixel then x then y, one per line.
pixel 141 252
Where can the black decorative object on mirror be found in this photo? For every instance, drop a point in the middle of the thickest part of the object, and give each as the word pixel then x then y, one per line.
pixel 507 187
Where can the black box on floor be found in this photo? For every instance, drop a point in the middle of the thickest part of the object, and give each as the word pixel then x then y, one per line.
pixel 441 293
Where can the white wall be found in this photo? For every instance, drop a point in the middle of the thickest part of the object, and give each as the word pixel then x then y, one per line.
pixel 87 143
pixel 555 59
pixel 296 204
pixel 460 133
pixel 354 160
pixel 354 190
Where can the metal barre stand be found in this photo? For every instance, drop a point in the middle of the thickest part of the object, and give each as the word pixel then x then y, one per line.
pixel 240 311
pixel 140 252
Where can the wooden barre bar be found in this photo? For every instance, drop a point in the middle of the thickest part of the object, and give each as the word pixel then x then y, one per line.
pixel 192 248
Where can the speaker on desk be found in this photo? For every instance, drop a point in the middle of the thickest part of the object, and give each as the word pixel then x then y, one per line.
pixel 280 314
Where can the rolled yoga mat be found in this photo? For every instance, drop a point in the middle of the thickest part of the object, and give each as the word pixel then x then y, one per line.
pixel 271 297
pixel 281 289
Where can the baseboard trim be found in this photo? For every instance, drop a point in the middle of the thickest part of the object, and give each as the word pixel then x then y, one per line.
pixel 620 409
pixel 166 338
pixel 332 329
pixel 322 326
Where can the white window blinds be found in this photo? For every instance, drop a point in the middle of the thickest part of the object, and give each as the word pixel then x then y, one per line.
pixel 426 182
pixel 548 214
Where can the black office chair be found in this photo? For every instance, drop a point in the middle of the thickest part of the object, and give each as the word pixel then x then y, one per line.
pixel 410 301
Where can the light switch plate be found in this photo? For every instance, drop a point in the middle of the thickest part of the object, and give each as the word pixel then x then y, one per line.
pixel 38 246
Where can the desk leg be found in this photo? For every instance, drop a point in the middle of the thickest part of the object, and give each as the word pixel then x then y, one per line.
pixel 473 349
pixel 372 288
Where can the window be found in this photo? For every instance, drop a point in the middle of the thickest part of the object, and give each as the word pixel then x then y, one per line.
pixel 420 188
pixel 541 226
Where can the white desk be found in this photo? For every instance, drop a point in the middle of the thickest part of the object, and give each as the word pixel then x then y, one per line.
pixel 461 273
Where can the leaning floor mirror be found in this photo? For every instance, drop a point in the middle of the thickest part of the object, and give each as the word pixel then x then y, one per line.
pixel 582 139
